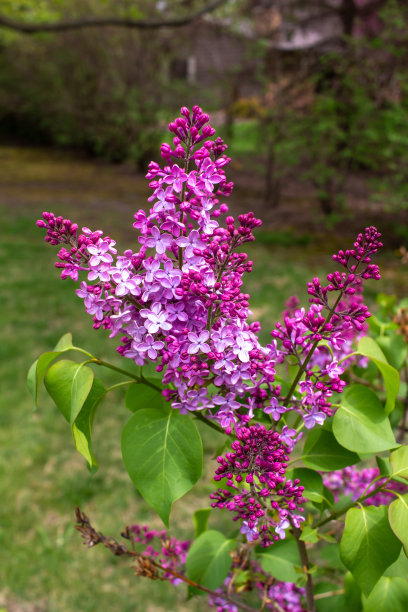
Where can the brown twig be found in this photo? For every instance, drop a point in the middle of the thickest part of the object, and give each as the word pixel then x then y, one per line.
pixel 146 566
pixel 402 425
pixel 101 22
pixel 306 568
pixel 329 594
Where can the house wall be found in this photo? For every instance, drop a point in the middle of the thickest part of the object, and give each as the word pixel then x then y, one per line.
pixel 215 59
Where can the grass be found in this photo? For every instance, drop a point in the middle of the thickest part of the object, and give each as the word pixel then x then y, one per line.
pixel 43 567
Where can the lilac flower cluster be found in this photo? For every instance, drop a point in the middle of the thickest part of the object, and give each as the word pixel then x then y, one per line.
pixel 169 552
pixel 258 493
pixel 335 321
pixel 177 301
pixel 323 356
pixel 356 482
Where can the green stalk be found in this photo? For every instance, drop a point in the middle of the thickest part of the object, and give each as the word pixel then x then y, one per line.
pixel 358 501
pixel 138 379
pixel 304 365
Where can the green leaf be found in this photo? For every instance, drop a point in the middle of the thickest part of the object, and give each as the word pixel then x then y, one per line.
pixel 82 426
pixel 394 348
pixel 368 545
pixel 162 452
pixel 398 517
pixel 389 595
pixel 327 537
pixel 322 452
pixel 281 560
pixel 331 555
pixel 378 326
pixel 399 568
pixel 69 384
pixel 311 480
pixel 200 518
pixel 40 366
pixel 352 593
pixel 37 371
pixel 81 386
pixel 209 560
pixel 140 396
pixel 384 466
pixel 332 603
pixel 309 534
pixel 360 424
pixel 32 381
pixel 64 343
pixel 328 499
pixel 369 348
pixel 399 462
pixel 66 380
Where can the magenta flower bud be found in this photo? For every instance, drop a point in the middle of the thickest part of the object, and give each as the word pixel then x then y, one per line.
pixel 185 112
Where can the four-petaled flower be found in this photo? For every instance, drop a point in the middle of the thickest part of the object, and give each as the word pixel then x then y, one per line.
pixel 198 342
pixel 158 241
pixel 150 346
pixel 126 283
pixel 333 370
pixel 274 409
pixel 315 416
pixel 156 319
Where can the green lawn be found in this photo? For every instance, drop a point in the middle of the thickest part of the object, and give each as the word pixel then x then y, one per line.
pixel 42 478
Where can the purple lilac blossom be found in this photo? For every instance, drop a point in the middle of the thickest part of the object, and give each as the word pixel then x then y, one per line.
pixel 178 301
pixel 167 551
pixel 355 481
pixel 185 284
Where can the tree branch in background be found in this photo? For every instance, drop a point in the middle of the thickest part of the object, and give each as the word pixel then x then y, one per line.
pixel 98 22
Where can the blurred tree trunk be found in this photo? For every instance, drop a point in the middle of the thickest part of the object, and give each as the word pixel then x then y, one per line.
pixel 230 114
pixel 272 193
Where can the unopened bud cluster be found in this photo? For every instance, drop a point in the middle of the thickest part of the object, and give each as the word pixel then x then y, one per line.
pixel 258 493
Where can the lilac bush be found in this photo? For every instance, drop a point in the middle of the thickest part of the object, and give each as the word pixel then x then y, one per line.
pixel 178 302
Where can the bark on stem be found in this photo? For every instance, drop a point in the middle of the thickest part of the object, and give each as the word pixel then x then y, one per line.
pixel 148 566
pixel 100 22
pixel 306 568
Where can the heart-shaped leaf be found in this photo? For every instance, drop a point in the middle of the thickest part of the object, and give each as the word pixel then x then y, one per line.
pixel 323 452
pixel 281 560
pixel 368 545
pixel 398 517
pixel 360 424
pixel 369 348
pixel 209 560
pixel 140 395
pixel 162 452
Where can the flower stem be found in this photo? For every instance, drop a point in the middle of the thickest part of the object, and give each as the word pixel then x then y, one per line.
pixel 336 515
pixel 138 379
pixel 118 385
pixel 208 422
pixel 304 365
pixel 304 559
